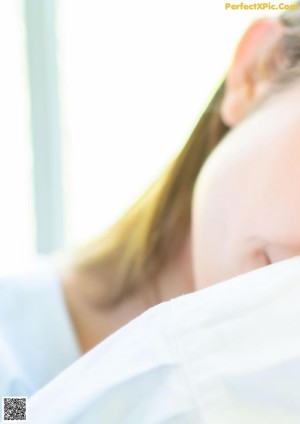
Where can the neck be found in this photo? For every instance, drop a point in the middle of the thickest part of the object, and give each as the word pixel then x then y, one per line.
pixel 92 325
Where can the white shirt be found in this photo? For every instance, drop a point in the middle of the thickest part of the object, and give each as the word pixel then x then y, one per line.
pixel 228 354
pixel 37 340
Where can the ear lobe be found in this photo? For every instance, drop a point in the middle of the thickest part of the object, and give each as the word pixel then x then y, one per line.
pixel 252 69
pixel 234 105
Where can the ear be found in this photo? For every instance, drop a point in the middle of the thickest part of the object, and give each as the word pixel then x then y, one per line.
pixel 252 69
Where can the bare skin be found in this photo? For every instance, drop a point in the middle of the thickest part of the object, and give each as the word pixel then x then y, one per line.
pixel 92 324
pixel 246 204
pixel 246 201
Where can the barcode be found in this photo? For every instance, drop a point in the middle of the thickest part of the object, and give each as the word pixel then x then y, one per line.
pixel 14 409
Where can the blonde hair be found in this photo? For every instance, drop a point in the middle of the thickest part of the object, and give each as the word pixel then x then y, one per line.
pixel 137 247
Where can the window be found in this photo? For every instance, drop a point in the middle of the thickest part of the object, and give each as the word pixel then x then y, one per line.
pixel 134 79
pixel 96 98
pixel 16 223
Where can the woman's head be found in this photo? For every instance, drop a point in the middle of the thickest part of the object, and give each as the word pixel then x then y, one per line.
pixel 136 249
pixel 246 203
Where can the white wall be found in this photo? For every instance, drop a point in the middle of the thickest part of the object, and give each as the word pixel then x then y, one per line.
pixel 16 213
pixel 134 78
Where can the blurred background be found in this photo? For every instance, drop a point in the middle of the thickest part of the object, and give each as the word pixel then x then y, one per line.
pixel 96 98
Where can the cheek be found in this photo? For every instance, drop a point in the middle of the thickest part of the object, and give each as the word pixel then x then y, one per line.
pixel 220 249
pixel 225 237
pixel 246 202
pixel 212 210
pixel 245 214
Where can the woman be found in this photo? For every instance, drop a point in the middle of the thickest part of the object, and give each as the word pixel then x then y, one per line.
pixel 196 226
pixel 228 354
pixel 244 203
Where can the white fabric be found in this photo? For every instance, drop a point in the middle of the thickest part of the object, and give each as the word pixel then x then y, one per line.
pixel 37 340
pixel 229 354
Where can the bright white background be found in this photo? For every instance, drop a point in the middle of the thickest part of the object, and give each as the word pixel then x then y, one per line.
pixel 16 212
pixel 135 76
pixel 133 79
